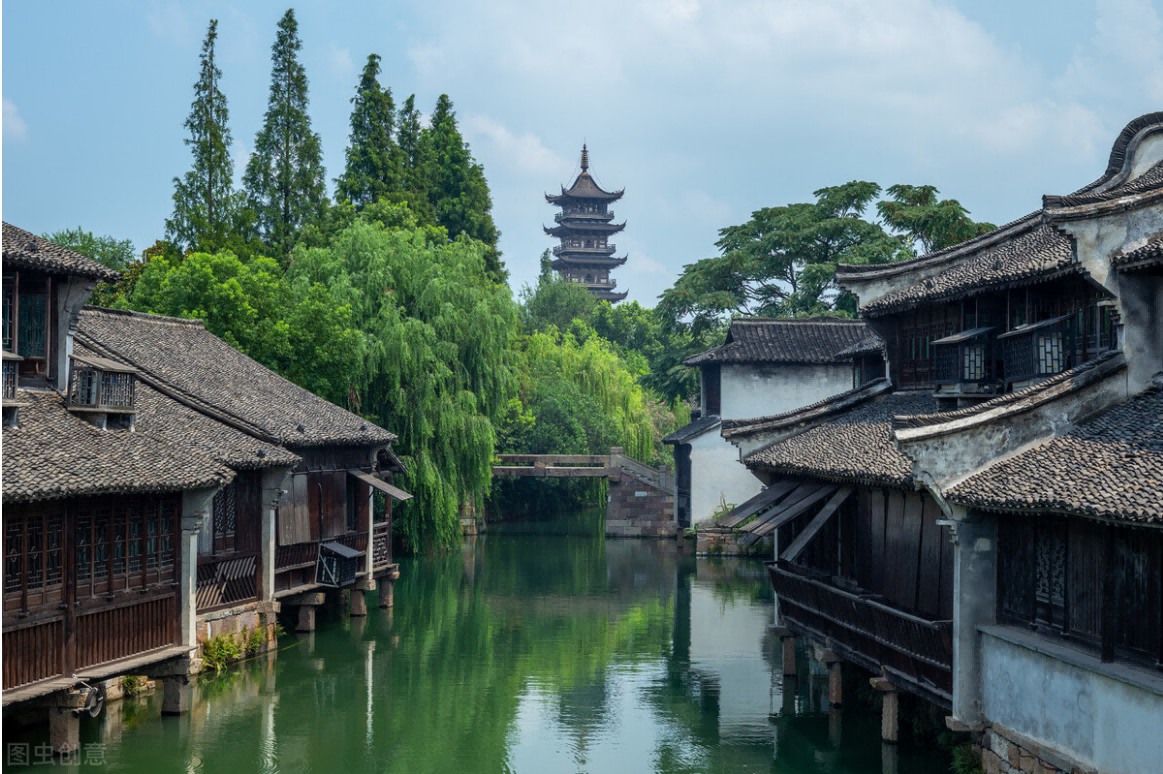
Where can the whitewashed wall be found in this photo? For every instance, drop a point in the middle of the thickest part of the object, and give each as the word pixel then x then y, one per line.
pixel 716 473
pixel 750 391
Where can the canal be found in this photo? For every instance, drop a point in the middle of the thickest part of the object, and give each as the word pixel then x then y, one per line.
pixel 522 652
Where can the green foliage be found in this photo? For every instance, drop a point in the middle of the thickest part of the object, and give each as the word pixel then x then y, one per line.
pixel 437 368
pixel 553 302
pixel 782 262
pixel 929 224
pixel 295 328
pixel 134 685
pixel 106 250
pixel 255 641
pixel 373 162
pixel 205 205
pixel 284 178
pixel 220 651
pixel 965 760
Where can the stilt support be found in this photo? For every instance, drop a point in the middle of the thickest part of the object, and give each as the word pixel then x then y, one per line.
pixel 889 710
pixel 306 618
pixel 789 656
pixel 835 677
pixel 386 589
pixel 358 603
pixel 64 730
pixel 176 696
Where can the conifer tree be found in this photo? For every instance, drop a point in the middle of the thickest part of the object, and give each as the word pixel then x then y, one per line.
pixel 413 163
pixel 373 163
pixel 284 181
pixel 204 200
pixel 459 191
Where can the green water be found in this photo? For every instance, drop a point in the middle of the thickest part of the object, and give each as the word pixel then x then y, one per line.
pixel 520 653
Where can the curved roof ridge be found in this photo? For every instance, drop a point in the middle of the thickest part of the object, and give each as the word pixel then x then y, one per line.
pixel 157 319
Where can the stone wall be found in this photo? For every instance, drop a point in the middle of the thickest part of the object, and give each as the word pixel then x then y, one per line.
pixel 1007 752
pixel 637 509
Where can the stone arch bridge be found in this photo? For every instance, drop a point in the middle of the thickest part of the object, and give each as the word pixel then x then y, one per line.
pixel 641 501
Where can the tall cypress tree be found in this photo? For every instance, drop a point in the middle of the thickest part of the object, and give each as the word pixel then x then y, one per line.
pixel 373 163
pixel 284 180
pixel 413 163
pixel 204 201
pixel 459 191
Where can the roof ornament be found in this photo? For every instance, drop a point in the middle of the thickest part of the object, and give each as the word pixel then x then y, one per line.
pixel 301 429
pixel 32 247
pixel 585 158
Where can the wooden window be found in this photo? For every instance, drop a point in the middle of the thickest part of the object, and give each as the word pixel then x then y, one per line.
pixel 225 525
pixel 124 543
pixel 9 311
pixel 712 391
pixel 1093 583
pixel 353 495
pixel 34 542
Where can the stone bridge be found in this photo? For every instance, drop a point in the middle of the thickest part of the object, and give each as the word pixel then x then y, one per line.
pixel 641 498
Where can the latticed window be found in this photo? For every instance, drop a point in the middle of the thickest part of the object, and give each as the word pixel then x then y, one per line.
pixel 11 368
pixel 1037 350
pixel 9 310
pixel 964 357
pixel 33 558
pixel 225 509
pixel 124 543
pixel 101 384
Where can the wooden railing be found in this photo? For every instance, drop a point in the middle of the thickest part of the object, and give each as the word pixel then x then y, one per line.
pixel 381 544
pixel 226 582
pixel 296 555
pixel 32 653
pixel 910 650
pixel 356 541
pixel 126 631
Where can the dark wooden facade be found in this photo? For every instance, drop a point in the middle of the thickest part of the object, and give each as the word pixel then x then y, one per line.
pixel 1010 354
pixel 88 581
pixel 870 570
pixel 1089 582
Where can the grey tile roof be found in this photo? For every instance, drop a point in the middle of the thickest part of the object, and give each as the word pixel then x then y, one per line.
pixel 1150 254
pixel 1151 180
pixel 1038 252
pixel 872 344
pixel 818 340
pixel 585 187
pixel 856 445
pixel 812 413
pixel 188 363
pixel 181 426
pixel 26 250
pixel 1110 467
pixel 55 454
pixel 693 430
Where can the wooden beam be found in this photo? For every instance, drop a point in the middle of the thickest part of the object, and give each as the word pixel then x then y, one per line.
pixel 826 513
pixel 746 510
pixel 798 494
pixel 785 515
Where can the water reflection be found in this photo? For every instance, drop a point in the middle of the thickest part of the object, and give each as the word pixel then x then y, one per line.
pixel 528 653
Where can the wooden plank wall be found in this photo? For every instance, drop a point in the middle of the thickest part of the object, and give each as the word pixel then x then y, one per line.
pixel 902 553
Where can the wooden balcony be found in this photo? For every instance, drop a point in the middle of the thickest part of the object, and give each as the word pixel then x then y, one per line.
pixel 914 653
pixel 227 582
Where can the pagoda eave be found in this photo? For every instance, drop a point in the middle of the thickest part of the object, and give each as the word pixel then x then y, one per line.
pixel 596 262
pixel 567 229
pixel 605 295
pixel 566 196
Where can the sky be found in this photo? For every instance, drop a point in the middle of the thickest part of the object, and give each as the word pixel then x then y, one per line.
pixel 703 110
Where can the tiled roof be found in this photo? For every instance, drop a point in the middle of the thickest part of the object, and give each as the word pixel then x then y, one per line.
pixel 27 250
pixel 1150 180
pixel 1110 467
pixel 1037 253
pixel 1150 254
pixel 872 344
pixel 585 187
pixel 693 430
pixel 856 445
pixel 54 454
pixel 188 363
pixel 804 415
pixel 177 424
pixel 818 340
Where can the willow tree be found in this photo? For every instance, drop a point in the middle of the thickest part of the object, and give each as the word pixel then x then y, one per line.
pixel 437 369
pixel 204 199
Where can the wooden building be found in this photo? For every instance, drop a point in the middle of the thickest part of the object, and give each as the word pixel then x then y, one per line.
pixel 982 527
pixel 161 488
pixel 584 226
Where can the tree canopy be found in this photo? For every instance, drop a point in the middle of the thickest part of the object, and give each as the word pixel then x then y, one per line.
pixel 373 168
pixel 929 224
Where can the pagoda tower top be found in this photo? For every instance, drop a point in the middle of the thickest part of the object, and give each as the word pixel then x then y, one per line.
pixel 584 227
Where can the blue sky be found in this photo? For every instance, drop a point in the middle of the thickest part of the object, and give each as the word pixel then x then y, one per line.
pixel 704 110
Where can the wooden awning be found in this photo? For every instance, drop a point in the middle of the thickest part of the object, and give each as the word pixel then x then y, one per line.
pixel 105 364
pixel 397 494
pixel 759 502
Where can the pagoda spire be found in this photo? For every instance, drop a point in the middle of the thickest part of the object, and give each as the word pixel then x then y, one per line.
pixel 584 226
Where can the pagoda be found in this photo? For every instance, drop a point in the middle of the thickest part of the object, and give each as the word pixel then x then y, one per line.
pixel 584 226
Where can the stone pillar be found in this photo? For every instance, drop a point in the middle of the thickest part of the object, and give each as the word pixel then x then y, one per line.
pixel 273 483
pixel 176 695
pixel 195 510
pixel 835 727
pixel 889 710
pixel 358 603
pixel 387 584
pixel 64 730
pixel 789 656
pixel 835 683
pixel 306 619
pixel 788 696
pixel 974 604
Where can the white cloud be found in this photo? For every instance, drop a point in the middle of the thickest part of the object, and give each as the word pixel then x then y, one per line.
pixel 169 21
pixel 523 152
pixel 14 126
pixel 341 65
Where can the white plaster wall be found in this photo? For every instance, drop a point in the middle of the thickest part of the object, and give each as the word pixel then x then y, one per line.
pixel 750 391
pixel 717 473
pixel 1109 724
